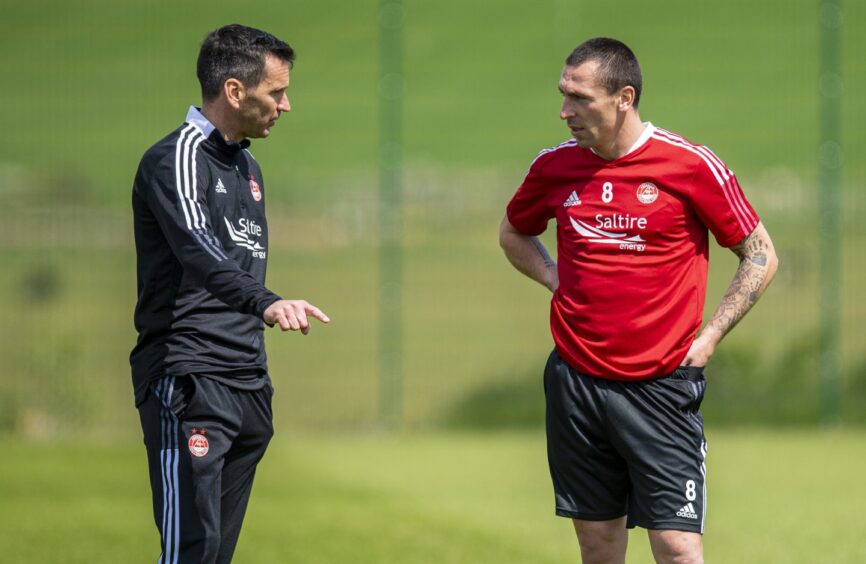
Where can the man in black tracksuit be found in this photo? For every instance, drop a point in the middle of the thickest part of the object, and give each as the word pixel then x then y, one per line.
pixel 199 368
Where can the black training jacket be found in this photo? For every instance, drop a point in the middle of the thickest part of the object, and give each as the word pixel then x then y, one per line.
pixel 201 242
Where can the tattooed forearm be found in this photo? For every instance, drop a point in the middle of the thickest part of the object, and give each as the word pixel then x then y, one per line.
pixel 754 273
pixel 741 295
pixel 528 255
pixel 539 246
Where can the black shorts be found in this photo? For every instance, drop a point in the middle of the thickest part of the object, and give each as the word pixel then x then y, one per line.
pixel 627 448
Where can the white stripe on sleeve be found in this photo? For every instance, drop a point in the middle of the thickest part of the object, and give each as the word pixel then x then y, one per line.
pixel 723 176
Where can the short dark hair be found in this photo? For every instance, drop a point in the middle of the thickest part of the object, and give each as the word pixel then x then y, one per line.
pixel 237 51
pixel 617 64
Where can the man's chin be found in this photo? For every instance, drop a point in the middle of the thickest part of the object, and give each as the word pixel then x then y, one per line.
pixel 260 134
pixel 582 142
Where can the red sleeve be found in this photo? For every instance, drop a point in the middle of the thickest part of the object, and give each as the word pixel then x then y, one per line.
pixel 719 201
pixel 528 210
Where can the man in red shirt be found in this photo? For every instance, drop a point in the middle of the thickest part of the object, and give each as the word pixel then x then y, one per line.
pixel 633 206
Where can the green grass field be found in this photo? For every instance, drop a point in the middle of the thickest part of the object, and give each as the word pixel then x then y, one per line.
pixel 775 497
pixel 95 83
pixel 100 81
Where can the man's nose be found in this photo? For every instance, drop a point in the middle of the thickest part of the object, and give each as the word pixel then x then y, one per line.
pixel 284 105
pixel 565 111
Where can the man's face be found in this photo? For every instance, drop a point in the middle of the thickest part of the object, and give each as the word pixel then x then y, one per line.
pixel 591 113
pixel 264 102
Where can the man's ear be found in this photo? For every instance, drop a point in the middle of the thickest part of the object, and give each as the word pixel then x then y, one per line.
pixel 235 92
pixel 626 98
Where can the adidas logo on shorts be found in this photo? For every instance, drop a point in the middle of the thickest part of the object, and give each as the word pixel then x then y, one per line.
pixel 688 511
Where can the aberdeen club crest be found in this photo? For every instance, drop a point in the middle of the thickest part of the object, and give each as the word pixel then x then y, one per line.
pixel 647 193
pixel 198 444
pixel 254 188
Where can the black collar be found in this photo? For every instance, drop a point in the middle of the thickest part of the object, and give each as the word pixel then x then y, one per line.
pixel 224 150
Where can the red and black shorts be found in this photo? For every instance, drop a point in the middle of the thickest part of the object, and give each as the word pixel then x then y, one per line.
pixel 627 448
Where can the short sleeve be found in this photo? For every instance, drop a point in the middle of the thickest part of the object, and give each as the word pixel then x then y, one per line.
pixel 719 201
pixel 528 210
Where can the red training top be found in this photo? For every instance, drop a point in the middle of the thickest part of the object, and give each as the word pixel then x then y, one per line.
pixel 632 247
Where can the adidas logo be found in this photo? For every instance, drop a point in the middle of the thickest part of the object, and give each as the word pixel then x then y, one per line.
pixel 220 187
pixel 688 511
pixel 572 200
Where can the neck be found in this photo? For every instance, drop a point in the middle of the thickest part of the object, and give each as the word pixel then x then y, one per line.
pixel 223 120
pixel 627 133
